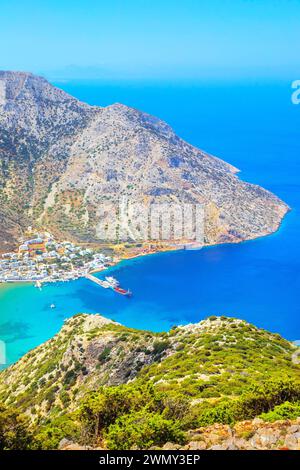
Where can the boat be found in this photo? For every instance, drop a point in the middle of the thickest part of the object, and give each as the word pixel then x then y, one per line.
pixel 38 284
pixel 52 306
pixel 105 284
pixel 112 281
pixel 121 291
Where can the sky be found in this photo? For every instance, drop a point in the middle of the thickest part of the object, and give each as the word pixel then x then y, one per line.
pixel 151 38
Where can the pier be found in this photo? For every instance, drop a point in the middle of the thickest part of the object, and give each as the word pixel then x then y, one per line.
pixel 95 280
pixel 107 284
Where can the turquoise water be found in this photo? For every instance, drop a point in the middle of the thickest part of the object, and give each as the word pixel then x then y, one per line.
pixel 251 125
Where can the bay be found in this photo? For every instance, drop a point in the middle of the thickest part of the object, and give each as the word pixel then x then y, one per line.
pixel 252 125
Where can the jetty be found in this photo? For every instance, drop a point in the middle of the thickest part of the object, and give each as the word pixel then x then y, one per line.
pixel 96 280
pixel 109 283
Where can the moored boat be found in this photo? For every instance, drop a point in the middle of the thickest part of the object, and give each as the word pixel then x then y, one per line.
pixel 121 291
pixel 112 281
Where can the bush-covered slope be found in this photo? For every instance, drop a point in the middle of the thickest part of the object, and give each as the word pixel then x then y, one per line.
pixel 100 383
pixel 214 358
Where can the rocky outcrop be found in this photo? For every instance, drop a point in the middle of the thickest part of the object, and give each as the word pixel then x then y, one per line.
pixel 66 444
pixel 245 435
pixel 61 159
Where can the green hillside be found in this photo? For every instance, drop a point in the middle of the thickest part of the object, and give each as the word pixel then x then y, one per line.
pixel 99 383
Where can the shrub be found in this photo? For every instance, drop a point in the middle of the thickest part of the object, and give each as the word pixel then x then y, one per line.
pixel 143 430
pixel 51 393
pixel 104 355
pixel 258 400
pixel 49 435
pixel 160 346
pixel 100 409
pixel 286 410
pixel 223 413
pixel 14 434
pixel 261 399
pixel 65 398
pixel 70 378
pixel 104 408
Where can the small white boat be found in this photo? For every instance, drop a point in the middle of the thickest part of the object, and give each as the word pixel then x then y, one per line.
pixel 52 306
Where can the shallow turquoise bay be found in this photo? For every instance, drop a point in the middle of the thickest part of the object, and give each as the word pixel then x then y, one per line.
pixel 256 128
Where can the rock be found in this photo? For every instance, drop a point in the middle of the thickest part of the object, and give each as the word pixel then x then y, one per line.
pixel 231 446
pixel 292 441
pixel 258 421
pixel 217 447
pixel 171 446
pixel 226 445
pixel 294 428
pixel 265 438
pixel 248 435
pixel 196 445
pixel 66 444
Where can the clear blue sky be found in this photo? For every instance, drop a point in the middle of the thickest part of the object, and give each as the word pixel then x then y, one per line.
pixel 151 37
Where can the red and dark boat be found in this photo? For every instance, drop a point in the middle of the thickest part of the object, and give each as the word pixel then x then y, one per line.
pixel 121 291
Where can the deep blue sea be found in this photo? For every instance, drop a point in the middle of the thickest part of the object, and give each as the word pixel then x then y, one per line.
pixel 252 125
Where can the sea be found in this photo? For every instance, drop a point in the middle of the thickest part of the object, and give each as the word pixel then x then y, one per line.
pixel 251 124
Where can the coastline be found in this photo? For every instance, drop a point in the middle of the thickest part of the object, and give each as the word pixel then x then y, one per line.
pixel 279 227
pixel 126 313
pixel 179 247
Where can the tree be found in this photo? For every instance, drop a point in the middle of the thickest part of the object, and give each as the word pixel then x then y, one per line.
pixel 143 430
pixel 50 434
pixel 14 434
pixel 102 408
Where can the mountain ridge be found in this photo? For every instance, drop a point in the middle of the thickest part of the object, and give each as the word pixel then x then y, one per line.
pixel 90 345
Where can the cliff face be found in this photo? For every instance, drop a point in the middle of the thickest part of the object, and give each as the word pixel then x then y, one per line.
pixel 60 159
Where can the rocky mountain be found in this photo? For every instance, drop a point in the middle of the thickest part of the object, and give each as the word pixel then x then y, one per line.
pixel 62 159
pixel 97 381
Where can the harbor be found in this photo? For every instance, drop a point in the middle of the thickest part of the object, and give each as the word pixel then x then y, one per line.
pixel 109 283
